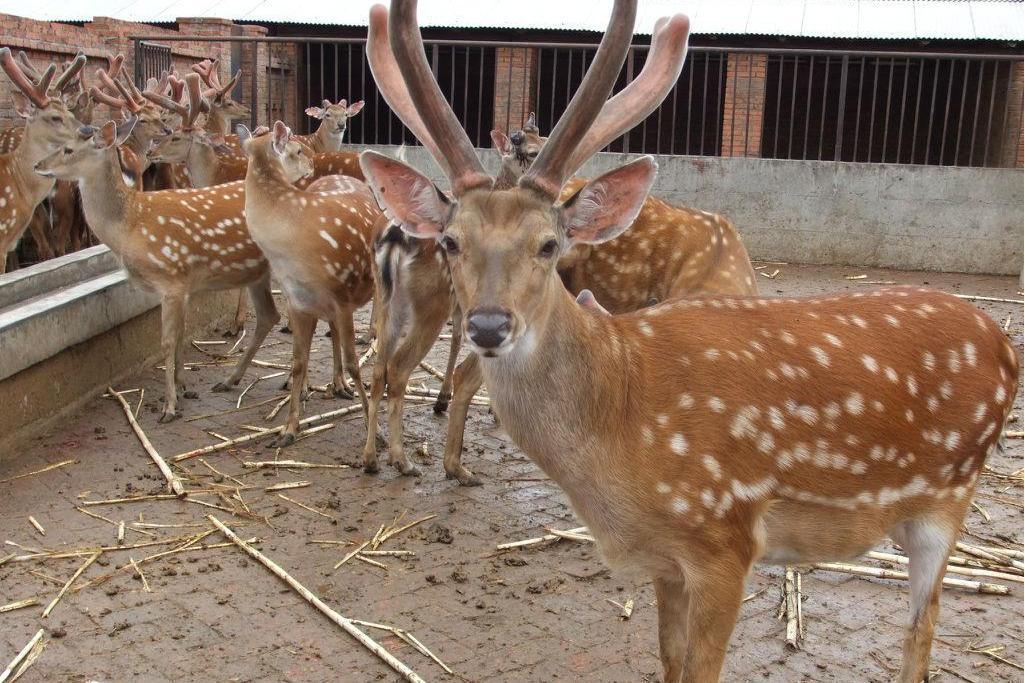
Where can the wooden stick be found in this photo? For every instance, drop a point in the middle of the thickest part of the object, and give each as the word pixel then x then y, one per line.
pixel 572 536
pixel 256 436
pixel 432 370
pixel 282 496
pixel 229 411
pixel 138 571
pixel 6 674
pixel 973 297
pixel 173 481
pixel 74 577
pixel 290 465
pixel 285 485
pixel 877 573
pixel 791 599
pixel 18 604
pixel 367 560
pixel 39 471
pixel 395 532
pixel 277 408
pixel 37 525
pixel 537 541
pixel 108 520
pixel 121 532
pixel 351 555
pixel 238 404
pixel 334 616
pixel 963 571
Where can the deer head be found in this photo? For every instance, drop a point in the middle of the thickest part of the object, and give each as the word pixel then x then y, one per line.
pixel 278 145
pixel 85 154
pixel 47 119
pixel 177 146
pixel 121 95
pixel 334 117
pixel 503 245
pixel 221 102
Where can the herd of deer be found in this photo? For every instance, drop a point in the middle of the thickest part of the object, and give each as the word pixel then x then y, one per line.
pixel 696 427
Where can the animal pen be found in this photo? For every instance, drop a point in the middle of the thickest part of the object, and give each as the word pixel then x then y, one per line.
pixel 202 545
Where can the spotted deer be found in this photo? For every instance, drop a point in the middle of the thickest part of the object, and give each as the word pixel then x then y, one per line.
pixel 334 118
pixel 699 436
pixel 318 244
pixel 48 123
pixel 174 242
pixel 668 253
pixel 223 108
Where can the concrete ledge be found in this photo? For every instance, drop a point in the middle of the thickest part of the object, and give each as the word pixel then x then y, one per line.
pixel 80 326
pixel 939 218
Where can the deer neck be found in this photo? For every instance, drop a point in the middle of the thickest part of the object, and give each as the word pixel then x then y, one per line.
pixel 202 163
pixel 32 150
pixel 265 184
pixel 554 391
pixel 508 174
pixel 140 147
pixel 328 140
pixel 216 122
pixel 106 201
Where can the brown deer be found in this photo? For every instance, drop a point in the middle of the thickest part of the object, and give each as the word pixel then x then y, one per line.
pixel 334 118
pixel 697 437
pixel 319 247
pixel 48 123
pixel 669 252
pixel 222 107
pixel 175 242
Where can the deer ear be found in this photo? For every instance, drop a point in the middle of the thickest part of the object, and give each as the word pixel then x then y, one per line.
pixel 315 112
pixel 586 300
pixel 607 205
pixel 244 136
pixel 22 105
pixel 407 196
pixel 105 136
pixel 279 137
pixel 501 142
pixel 354 108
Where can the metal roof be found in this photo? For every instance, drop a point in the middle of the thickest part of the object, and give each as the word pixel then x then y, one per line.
pixel 867 19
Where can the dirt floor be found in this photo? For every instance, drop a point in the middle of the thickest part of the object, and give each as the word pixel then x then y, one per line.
pixel 539 614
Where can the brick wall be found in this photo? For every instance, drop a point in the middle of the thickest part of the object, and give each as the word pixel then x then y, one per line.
pixel 515 86
pixel 1012 143
pixel 743 105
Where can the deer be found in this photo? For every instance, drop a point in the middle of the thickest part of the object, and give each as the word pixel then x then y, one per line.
pixel 48 122
pixel 174 242
pixel 705 255
pixel 319 245
pixel 333 117
pixel 222 107
pixel 699 436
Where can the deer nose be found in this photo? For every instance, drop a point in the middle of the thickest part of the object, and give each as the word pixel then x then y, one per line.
pixel 488 328
pixel 517 138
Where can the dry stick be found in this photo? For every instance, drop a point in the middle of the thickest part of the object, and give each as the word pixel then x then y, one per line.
pixel 791 598
pixel 277 408
pixel 173 482
pixel 572 536
pixel 40 471
pixel 285 485
pixel 74 577
pixel 259 435
pixel 395 532
pixel 238 404
pixel 37 525
pixel 432 370
pixel 232 410
pixel 367 560
pixel 282 496
pixel 138 406
pixel 192 540
pixel 537 541
pixel 121 532
pixel 334 616
pixel 875 572
pixel 19 604
pixel 963 571
pixel 290 464
pixel 406 636
pixel 138 571
pixel 351 555
pixel 53 555
pixel 222 474
pixel 979 552
pixel 6 674
pixel 973 297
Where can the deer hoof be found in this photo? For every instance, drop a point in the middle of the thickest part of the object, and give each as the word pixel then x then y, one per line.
pixel 286 329
pixel 190 394
pixel 465 477
pixel 441 405
pixel 282 441
pixel 371 467
pixel 221 387
pixel 407 469
pixel 169 416
pixel 342 391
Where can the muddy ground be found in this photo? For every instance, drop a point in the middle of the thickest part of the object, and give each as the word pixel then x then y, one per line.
pixel 539 614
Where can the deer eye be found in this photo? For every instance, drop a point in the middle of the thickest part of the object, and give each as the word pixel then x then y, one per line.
pixel 547 249
pixel 68 150
pixel 450 245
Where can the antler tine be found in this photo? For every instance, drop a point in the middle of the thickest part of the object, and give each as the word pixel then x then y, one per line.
pixel 167 103
pixel 465 170
pixel 195 101
pixel 103 97
pixel 177 86
pixel 390 84
pixel 639 98
pixel 226 88
pixel 550 169
pixel 27 67
pixel 32 92
pixel 114 65
pixel 207 69
pixel 127 101
pixel 70 73
pixel 130 88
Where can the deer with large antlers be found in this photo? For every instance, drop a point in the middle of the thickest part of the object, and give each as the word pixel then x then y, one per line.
pixel 222 107
pixel 697 437
pixel 175 242
pixel 48 123
pixel 318 244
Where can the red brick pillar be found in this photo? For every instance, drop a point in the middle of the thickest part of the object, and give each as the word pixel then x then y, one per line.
pixel 254 65
pixel 515 85
pixel 209 26
pixel 743 105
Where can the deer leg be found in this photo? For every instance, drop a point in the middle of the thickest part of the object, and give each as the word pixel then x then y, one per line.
pixel 346 339
pixel 671 595
pixel 266 318
pixel 445 395
pixel 377 384
pixel 172 320
pixel 928 545
pixel 711 616
pixel 467 380
pixel 37 226
pixel 339 387
pixel 303 325
pixel 238 323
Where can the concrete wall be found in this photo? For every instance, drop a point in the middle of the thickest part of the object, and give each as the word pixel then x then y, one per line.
pixel 910 217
